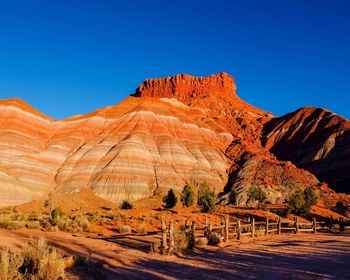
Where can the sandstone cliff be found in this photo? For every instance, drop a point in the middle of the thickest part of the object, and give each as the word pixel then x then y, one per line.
pixel 172 131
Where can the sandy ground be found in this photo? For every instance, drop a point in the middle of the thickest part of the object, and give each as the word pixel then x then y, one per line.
pixel 302 256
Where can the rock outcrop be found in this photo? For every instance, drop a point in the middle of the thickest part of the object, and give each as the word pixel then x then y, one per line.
pixel 250 163
pixel 130 150
pixel 172 131
pixel 314 139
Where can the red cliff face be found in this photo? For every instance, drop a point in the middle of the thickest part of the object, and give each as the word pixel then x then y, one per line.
pixel 185 88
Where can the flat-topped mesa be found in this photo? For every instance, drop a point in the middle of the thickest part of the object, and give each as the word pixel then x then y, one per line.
pixel 184 87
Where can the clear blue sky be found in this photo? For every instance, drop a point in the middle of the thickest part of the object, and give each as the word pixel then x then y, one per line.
pixel 71 57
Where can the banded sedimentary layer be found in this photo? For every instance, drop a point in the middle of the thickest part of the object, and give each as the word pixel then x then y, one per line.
pixel 172 131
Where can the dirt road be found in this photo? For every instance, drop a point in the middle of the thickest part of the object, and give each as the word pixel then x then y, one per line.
pixel 302 256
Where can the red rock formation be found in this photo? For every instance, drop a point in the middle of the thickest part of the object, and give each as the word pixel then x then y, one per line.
pixel 172 131
pixel 250 163
pixel 130 150
pixel 315 139
pixel 184 87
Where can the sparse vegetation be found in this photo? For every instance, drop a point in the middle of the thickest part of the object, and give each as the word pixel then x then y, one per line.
pixel 170 199
pixel 206 198
pixel 76 224
pixel 300 201
pixel 257 193
pixel 202 242
pixel 214 239
pixel 125 230
pixel 55 215
pixel 126 205
pixel 8 221
pixel 187 196
pixel 38 261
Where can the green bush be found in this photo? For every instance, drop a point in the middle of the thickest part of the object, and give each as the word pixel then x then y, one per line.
pixel 206 198
pixel 256 193
pixel 126 205
pixel 300 201
pixel 187 196
pixel 170 199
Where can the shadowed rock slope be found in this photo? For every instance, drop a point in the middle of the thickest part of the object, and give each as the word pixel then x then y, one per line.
pixel 315 139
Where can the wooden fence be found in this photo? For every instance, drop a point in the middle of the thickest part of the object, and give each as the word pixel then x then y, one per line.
pixel 230 230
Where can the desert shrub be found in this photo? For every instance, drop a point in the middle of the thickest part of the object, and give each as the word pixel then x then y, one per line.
pixel 170 199
pixel 310 197
pixel 141 228
pixel 82 222
pixel 206 198
pixel 300 201
pixel 33 217
pixel 256 193
pixel 125 230
pixel 10 222
pixel 260 231
pixel 9 265
pixel 187 196
pixel 55 215
pixel 201 242
pixel 38 261
pixel 94 216
pixel 181 241
pixel 33 225
pixel 76 224
pixel 214 239
pixel 126 205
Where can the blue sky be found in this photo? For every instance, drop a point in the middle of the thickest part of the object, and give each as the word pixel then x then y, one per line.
pixel 71 57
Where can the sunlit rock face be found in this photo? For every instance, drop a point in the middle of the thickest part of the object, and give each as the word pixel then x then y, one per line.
pixel 315 139
pixel 129 150
pixel 147 144
pixel 170 132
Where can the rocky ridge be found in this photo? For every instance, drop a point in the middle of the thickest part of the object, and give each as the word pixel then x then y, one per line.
pixel 172 131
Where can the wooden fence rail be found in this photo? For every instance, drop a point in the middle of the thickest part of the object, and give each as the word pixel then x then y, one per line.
pixel 236 229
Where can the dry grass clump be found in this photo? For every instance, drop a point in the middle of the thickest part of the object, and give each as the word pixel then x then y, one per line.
pixel 38 261
pixel 141 228
pixel 11 222
pixel 124 229
pixel 260 231
pixel 214 239
pixel 181 241
pixel 76 224
pixel 202 242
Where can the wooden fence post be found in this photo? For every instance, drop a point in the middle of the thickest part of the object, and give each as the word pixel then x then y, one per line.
pixel 171 239
pixel 223 226
pixel 253 226
pixel 206 228
pixel 341 224
pixel 226 230
pixel 267 226
pixel 239 229
pixel 210 228
pixel 314 228
pixel 193 234
pixel 279 226
pixel 164 237
pixel 296 225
